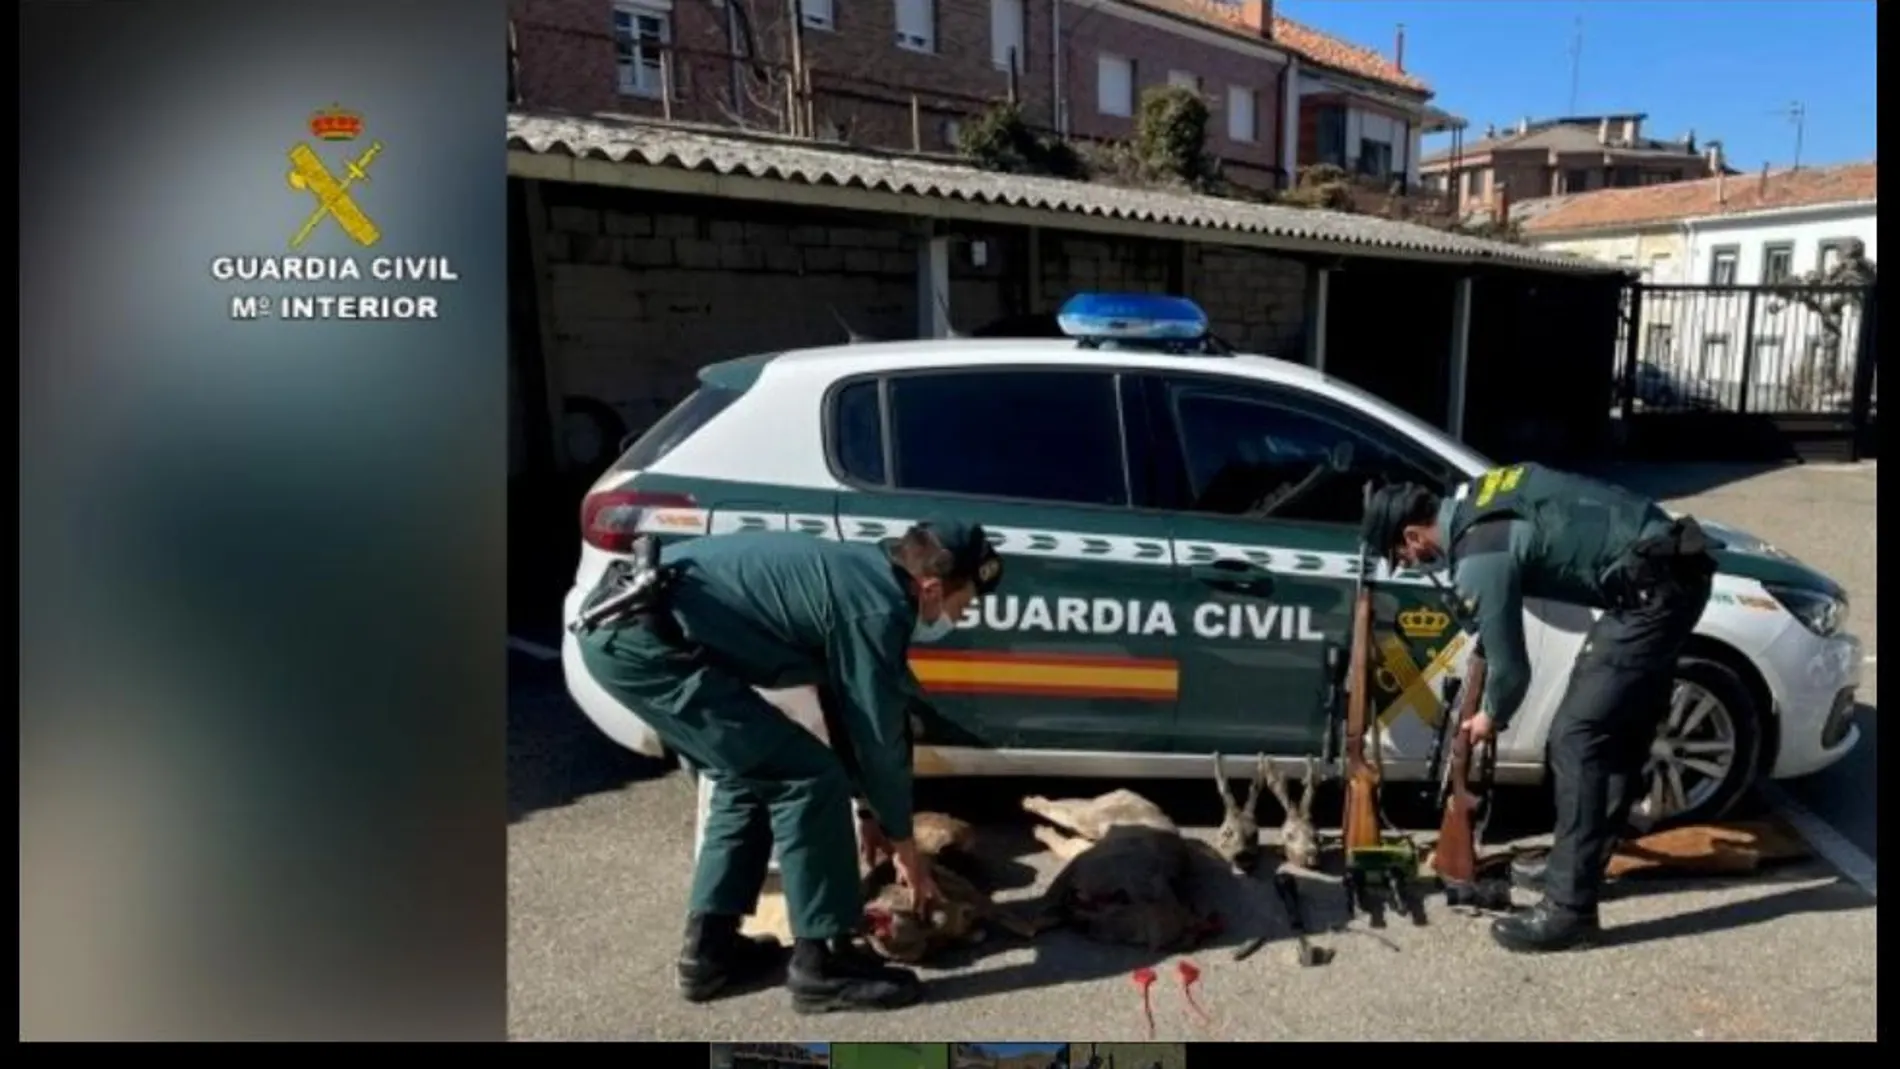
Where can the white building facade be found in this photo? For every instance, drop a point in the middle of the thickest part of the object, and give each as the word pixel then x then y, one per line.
pixel 1711 331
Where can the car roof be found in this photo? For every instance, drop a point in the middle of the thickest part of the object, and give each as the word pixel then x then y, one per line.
pixel 838 361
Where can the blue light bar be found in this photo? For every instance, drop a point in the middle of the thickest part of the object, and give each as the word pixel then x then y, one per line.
pixel 1132 317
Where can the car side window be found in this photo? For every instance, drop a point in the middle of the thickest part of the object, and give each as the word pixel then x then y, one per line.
pixel 1272 454
pixel 1032 435
pixel 858 432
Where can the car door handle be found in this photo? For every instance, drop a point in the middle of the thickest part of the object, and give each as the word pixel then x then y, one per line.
pixel 1234 575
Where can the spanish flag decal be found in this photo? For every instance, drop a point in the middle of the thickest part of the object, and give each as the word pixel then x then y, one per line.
pixel 1052 675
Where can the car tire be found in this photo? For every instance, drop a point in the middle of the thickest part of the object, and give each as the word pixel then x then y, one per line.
pixel 1710 706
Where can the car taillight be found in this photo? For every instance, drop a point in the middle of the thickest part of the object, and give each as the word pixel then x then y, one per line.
pixel 611 519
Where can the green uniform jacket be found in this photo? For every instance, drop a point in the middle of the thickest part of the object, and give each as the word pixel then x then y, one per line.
pixel 1556 536
pixel 779 610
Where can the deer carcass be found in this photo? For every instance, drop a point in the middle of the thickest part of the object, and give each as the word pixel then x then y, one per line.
pixel 1126 875
pixel 962 914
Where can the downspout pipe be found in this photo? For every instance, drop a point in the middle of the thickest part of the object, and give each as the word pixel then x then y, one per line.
pixel 1058 98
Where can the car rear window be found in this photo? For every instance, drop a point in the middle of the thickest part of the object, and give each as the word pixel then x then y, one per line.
pixel 676 426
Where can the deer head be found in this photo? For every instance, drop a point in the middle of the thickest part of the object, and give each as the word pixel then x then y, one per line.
pixel 1238 839
pixel 1299 842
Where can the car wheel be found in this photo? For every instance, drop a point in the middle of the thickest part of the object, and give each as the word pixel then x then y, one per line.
pixel 1706 752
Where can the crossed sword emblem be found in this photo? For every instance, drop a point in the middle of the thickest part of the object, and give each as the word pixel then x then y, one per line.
pixel 333 198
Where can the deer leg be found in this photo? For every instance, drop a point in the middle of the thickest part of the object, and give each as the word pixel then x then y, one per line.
pixel 1065 847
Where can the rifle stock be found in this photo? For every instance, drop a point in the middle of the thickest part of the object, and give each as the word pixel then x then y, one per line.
pixel 1455 857
pixel 1360 826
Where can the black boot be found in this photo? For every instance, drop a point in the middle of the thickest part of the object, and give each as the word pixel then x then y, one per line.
pixel 838 976
pixel 1545 927
pixel 716 958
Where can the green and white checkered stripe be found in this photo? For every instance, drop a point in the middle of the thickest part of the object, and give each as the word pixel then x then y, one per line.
pixel 1038 543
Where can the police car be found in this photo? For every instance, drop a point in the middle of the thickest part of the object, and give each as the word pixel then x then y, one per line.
pixel 1181 527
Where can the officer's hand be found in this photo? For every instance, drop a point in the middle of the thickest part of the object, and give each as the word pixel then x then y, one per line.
pixel 873 845
pixel 1478 728
pixel 913 872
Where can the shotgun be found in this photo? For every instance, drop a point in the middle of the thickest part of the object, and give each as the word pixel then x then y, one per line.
pixel 1455 856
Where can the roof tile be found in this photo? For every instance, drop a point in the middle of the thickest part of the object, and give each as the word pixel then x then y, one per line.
pixel 1607 208
pixel 1305 41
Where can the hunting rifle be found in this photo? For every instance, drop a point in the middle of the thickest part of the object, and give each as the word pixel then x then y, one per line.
pixel 1359 823
pixel 1466 810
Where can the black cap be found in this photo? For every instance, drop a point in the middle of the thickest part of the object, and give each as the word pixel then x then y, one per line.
pixel 1387 510
pixel 974 560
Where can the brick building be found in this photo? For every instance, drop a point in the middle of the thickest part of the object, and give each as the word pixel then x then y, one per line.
pixel 905 74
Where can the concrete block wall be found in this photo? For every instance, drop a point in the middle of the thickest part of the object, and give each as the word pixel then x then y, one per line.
pixel 642 295
pixel 641 299
pixel 1254 299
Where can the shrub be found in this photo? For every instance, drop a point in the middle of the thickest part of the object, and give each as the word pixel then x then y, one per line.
pixel 1000 140
pixel 1170 143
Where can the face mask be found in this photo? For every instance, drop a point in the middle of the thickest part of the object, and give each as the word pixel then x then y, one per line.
pixel 931 632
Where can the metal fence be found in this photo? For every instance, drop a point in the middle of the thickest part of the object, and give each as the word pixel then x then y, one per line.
pixel 1798 351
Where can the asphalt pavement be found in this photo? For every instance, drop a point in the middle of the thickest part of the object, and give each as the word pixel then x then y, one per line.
pixel 600 860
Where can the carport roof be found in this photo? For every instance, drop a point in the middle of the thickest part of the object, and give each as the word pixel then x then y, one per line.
pixel 538 142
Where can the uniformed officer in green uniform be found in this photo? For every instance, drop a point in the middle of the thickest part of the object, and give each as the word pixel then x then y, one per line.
pixel 1530 531
pixel 777 610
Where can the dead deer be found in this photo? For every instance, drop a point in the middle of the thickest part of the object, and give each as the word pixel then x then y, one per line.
pixel 1238 839
pixel 1126 873
pixel 1299 842
pixel 962 914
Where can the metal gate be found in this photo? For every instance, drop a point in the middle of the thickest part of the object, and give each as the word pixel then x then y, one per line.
pixel 1748 372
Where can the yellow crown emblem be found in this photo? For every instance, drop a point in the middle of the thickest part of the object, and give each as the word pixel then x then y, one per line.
pixel 336 123
pixel 1423 623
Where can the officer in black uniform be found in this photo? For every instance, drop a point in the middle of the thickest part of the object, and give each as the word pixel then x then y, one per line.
pixel 775 610
pixel 1530 531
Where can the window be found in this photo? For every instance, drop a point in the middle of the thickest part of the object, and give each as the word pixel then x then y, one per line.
pixel 857 432
pixel 1833 250
pixel 1331 140
pixel 1268 453
pixel 675 427
pixel 1071 451
pixel 816 14
pixel 642 30
pixel 1722 263
pixel 1006 35
pixel 1777 263
pixel 1660 349
pixel 917 25
pixel 1714 362
pixel 1240 114
pixel 1576 180
pixel 1661 178
pixel 1375 158
pixel 1115 85
pixel 1187 80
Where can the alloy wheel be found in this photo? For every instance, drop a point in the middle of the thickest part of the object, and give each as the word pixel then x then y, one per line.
pixel 1693 756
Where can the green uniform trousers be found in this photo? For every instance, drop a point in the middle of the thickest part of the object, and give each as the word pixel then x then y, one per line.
pixel 772 780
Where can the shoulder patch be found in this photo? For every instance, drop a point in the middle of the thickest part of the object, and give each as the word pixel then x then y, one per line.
pixel 1492 535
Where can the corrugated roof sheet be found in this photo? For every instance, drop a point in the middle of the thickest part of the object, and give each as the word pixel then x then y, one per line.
pixel 1642 205
pixel 729 152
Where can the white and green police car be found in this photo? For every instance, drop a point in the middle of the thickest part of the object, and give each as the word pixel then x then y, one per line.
pixel 1181 528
